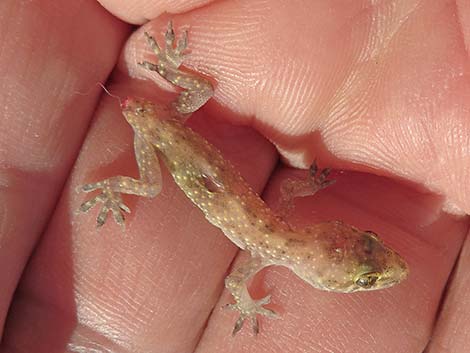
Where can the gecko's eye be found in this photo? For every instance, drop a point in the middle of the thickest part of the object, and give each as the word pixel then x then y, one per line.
pixel 374 235
pixel 367 280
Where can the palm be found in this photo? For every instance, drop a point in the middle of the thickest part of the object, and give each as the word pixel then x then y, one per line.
pixel 384 86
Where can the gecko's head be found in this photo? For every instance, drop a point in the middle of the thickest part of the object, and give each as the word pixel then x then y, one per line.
pixel 355 260
pixel 376 265
pixel 138 110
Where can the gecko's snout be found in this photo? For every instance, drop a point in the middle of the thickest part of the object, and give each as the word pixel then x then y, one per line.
pixel 136 105
pixel 382 268
pixel 136 109
pixel 133 105
pixel 125 102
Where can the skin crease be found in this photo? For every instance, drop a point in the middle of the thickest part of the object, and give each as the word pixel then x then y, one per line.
pixel 386 88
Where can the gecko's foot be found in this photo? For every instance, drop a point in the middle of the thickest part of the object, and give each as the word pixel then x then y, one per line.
pixel 319 177
pixel 111 201
pixel 249 309
pixel 171 56
pixel 293 188
pixel 196 89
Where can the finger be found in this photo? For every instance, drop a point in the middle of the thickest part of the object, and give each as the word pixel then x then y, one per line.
pixel 46 58
pixel 153 284
pixel 451 332
pixel 381 96
pixel 230 90
pixel 389 320
pixel 141 11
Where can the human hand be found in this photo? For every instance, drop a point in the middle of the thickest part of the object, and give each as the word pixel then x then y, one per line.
pixel 379 90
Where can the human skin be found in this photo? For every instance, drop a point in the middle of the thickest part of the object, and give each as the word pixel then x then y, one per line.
pixel 378 91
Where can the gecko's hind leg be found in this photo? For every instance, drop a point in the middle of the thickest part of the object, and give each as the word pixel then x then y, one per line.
pixel 196 90
pixel 244 304
pixel 316 180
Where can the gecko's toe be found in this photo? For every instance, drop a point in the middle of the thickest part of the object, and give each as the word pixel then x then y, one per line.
pixel 238 325
pixel 111 201
pixel 101 219
pixel 250 309
pixel 319 177
pixel 91 187
pixel 117 215
pixel 182 43
pixel 87 205
pixel 261 310
pixel 124 207
pixel 241 320
pixel 170 34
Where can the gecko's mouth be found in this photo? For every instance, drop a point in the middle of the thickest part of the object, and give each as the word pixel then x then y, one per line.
pixel 393 274
pixel 125 102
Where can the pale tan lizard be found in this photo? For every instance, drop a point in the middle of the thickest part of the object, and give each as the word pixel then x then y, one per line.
pixel 332 256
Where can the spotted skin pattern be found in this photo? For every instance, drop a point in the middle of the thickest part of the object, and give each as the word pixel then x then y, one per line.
pixel 331 256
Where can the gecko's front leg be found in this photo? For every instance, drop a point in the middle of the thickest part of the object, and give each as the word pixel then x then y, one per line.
pixel 244 303
pixel 196 89
pixel 149 184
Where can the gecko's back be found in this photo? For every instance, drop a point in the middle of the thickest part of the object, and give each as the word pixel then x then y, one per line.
pixel 216 187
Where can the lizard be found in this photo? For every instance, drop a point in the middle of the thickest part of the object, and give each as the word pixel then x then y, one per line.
pixel 331 255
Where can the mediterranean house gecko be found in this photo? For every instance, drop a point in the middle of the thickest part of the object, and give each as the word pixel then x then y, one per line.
pixel 331 256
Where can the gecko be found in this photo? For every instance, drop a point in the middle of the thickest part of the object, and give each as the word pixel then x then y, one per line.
pixel 331 255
